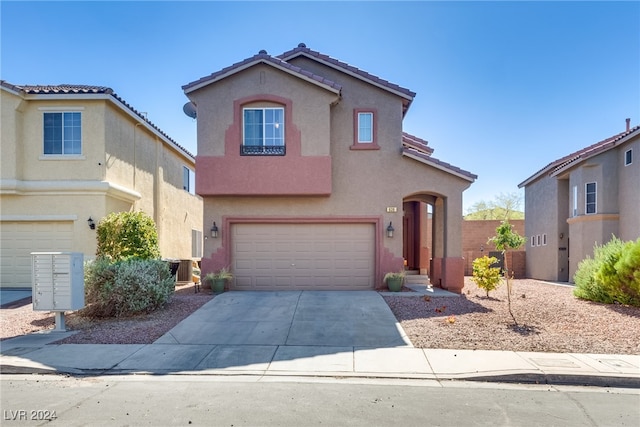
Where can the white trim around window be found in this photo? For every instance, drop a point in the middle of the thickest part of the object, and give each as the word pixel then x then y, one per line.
pixel 365 127
pixel 628 157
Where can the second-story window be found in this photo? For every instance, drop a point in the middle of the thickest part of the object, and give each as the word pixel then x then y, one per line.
pixel 188 180
pixel 263 132
pixel 590 206
pixel 365 128
pixel 63 133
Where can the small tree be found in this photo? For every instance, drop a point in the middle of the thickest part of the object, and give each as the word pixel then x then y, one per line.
pixel 484 275
pixel 124 235
pixel 505 240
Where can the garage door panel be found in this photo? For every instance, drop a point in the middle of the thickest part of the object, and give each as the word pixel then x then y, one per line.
pixel 20 238
pixel 303 256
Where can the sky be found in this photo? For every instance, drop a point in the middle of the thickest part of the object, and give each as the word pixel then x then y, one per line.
pixel 503 88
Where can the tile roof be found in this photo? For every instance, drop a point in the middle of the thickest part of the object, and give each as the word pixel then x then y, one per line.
pixel 556 166
pixel 439 164
pixel 69 89
pixel 302 49
pixel 419 144
pixel 261 57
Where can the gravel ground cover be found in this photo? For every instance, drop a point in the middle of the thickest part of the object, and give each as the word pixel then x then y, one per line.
pixel 549 317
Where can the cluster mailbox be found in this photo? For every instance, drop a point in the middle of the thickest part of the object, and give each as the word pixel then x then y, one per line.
pixel 57 283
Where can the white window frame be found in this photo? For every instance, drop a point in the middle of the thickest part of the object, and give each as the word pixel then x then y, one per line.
pixel 586 198
pixel 628 157
pixel 533 241
pixel 575 201
pixel 265 125
pixel 361 140
pixel 537 240
pixel 63 111
pixel 544 239
pixel 188 180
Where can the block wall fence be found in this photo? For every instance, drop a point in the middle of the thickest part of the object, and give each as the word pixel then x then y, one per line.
pixel 475 235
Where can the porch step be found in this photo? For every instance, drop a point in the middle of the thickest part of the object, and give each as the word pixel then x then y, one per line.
pixel 416 279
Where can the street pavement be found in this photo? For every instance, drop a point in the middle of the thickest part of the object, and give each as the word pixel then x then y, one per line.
pixel 307 334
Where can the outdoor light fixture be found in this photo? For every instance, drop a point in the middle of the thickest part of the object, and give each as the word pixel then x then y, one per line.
pixel 92 225
pixel 481 248
pixel 214 230
pixel 390 230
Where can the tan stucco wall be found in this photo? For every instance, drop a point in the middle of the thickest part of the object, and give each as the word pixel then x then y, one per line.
pixel 542 216
pixel 364 182
pixel 628 191
pixel 617 212
pixel 215 105
pixel 100 180
pixel 11 126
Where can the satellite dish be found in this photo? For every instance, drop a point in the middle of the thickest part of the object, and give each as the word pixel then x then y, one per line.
pixel 190 110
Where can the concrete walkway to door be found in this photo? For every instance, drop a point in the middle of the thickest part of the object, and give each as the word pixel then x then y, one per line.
pixel 292 318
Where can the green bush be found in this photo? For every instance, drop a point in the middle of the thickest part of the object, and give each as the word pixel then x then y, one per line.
pixel 125 288
pixel 613 275
pixel 586 285
pixel 124 235
pixel 486 276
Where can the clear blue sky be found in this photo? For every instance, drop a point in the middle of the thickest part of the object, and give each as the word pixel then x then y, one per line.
pixel 503 88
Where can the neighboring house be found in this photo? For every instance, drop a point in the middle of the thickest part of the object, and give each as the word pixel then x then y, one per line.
pixel 303 166
pixel 581 200
pixel 73 153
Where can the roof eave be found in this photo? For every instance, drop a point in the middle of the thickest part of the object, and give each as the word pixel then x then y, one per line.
pixel 594 153
pixel 405 96
pixel 200 84
pixel 114 100
pixel 467 177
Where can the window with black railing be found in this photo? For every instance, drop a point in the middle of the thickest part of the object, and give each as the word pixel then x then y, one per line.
pixel 262 150
pixel 263 132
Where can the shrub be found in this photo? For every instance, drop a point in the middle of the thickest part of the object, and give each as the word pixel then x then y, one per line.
pixel 613 275
pixel 586 285
pixel 124 235
pixel 484 275
pixel 125 288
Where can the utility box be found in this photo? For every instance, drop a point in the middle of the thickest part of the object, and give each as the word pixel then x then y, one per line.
pixel 57 281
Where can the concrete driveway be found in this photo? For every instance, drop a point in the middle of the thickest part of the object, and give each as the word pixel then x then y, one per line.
pixel 292 318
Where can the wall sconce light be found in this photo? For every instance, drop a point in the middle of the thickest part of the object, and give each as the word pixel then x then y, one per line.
pixel 481 248
pixel 390 230
pixel 92 225
pixel 214 230
pixel 561 236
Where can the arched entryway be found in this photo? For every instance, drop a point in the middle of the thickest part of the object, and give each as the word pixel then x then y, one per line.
pixel 426 240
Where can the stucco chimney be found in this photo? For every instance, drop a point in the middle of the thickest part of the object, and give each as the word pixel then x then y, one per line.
pixel 628 124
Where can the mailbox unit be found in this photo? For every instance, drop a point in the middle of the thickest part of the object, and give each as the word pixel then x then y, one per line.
pixel 57 281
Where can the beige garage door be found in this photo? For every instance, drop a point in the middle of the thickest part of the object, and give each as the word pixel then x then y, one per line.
pixel 303 256
pixel 19 239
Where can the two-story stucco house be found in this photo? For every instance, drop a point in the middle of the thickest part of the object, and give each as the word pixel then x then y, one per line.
pixel 73 154
pixel 309 181
pixel 581 200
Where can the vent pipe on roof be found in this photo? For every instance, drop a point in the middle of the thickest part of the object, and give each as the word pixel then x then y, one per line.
pixel 628 124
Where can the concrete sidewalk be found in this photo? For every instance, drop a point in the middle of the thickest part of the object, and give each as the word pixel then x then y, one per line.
pixel 319 334
pixel 31 354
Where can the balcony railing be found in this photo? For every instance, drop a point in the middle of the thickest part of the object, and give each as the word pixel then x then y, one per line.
pixel 262 150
